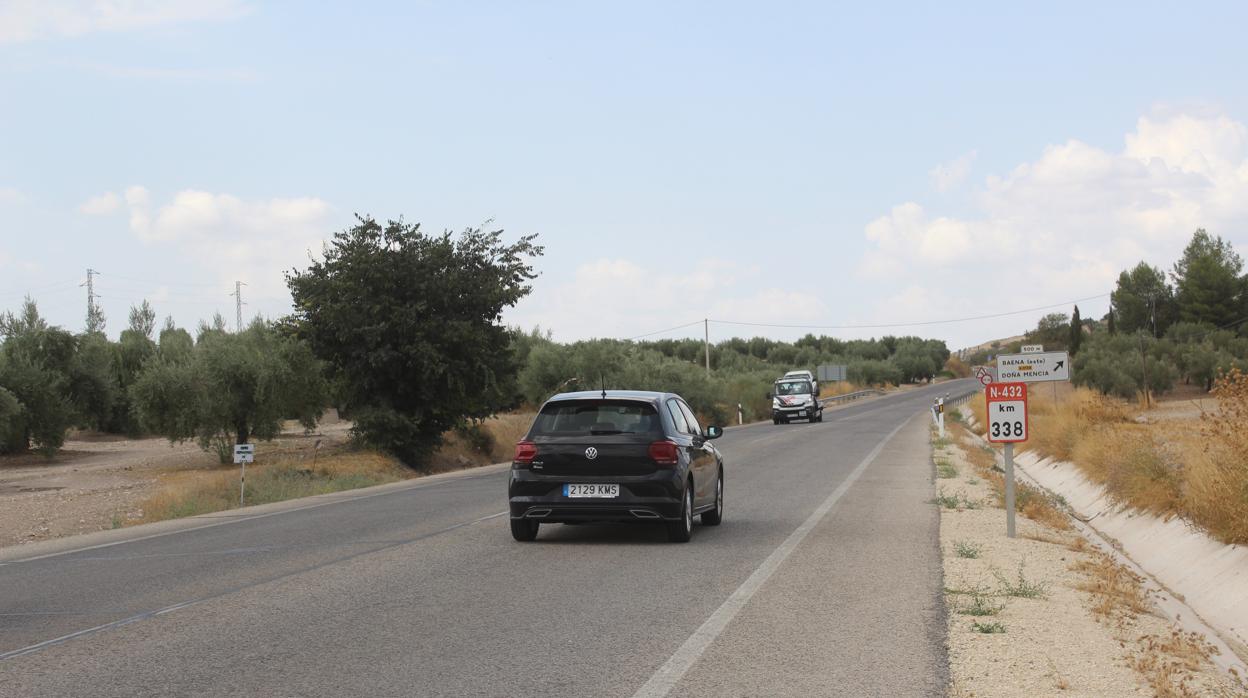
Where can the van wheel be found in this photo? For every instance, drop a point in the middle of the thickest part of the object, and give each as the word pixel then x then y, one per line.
pixel 524 530
pixel 681 531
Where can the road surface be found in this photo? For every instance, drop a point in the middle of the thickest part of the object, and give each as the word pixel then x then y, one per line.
pixel 824 579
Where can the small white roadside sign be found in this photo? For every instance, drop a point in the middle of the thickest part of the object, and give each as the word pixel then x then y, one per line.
pixel 244 453
pixel 1033 348
pixel 1033 368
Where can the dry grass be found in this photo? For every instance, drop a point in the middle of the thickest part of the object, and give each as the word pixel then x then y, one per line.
pixel 503 431
pixel 1117 593
pixel 1169 663
pixel 1028 501
pixel 1195 467
pixel 193 492
pixel 285 474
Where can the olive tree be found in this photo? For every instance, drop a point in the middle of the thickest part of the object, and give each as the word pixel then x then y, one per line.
pixel 230 388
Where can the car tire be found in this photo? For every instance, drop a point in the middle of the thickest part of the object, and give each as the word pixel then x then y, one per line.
pixel 681 531
pixel 524 530
pixel 716 515
pixel 819 417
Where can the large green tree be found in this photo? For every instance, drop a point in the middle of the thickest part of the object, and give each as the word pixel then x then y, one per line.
pixel 1208 282
pixel 230 389
pixel 1143 300
pixel 410 324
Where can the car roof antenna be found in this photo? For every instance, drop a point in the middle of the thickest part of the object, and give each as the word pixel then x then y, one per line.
pixel 603 381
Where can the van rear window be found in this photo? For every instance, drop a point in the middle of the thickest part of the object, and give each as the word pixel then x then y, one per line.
pixel 595 418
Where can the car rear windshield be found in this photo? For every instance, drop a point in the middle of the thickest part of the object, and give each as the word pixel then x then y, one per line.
pixel 793 388
pixel 596 418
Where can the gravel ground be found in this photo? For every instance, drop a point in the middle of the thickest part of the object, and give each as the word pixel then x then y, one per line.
pixel 99 482
pixel 1051 645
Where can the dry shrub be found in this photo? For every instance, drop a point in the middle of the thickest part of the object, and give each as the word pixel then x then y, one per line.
pixel 1117 594
pixel 1170 663
pixel 1216 494
pixel 1127 462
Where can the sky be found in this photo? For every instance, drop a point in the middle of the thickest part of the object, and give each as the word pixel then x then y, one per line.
pixel 779 168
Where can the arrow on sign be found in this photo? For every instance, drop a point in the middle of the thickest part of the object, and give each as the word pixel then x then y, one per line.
pixel 1059 365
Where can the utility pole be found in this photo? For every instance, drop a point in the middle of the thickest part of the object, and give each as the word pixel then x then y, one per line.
pixel 706 338
pixel 1144 360
pixel 238 305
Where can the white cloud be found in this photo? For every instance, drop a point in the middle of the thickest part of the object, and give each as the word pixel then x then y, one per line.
pixel 28 20
pixel 101 205
pixel 251 241
pixel 949 175
pixel 619 298
pixel 1064 225
pixel 9 195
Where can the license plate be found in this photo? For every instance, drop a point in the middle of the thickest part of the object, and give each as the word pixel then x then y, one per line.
pixel 591 490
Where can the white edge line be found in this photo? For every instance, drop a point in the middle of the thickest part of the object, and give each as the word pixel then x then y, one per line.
pixel 418 483
pixel 673 670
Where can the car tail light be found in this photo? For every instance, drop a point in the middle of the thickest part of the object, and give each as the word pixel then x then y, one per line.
pixel 663 452
pixel 526 451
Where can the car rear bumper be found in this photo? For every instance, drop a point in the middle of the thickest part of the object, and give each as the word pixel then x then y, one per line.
pixel 657 497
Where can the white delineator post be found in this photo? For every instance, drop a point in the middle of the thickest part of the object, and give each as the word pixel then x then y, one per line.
pixel 740 415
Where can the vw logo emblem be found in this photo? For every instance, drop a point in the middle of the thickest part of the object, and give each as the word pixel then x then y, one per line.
pixel 591 453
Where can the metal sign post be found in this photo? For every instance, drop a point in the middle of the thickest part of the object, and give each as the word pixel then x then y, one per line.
pixel 243 454
pixel 1007 424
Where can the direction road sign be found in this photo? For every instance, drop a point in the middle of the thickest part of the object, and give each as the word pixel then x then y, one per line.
pixel 1034 368
pixel 1007 412
pixel 1032 348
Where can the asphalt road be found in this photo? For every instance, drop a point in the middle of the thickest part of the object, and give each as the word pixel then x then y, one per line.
pixel 824 579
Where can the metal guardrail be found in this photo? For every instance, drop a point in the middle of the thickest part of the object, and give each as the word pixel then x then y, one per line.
pixel 847 397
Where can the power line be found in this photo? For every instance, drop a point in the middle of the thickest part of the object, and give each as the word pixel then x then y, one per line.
pixel 912 324
pixel 670 329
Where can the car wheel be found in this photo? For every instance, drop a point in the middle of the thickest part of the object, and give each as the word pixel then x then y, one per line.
pixel 819 418
pixel 714 516
pixel 524 529
pixel 681 531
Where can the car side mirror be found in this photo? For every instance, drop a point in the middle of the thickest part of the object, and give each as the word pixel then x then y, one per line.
pixel 714 432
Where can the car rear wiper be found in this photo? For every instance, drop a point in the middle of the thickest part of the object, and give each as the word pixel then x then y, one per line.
pixel 604 432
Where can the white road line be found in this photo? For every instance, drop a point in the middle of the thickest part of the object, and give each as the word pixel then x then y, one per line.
pixel 681 661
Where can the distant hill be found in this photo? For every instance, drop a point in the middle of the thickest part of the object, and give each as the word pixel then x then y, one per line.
pixel 991 344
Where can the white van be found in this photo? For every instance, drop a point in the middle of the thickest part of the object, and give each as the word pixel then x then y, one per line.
pixel 795 398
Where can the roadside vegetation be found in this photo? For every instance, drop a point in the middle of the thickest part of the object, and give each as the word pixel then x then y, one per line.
pixel 1194 467
pixel 1048 613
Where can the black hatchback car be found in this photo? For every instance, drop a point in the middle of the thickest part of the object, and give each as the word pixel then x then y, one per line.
pixel 611 456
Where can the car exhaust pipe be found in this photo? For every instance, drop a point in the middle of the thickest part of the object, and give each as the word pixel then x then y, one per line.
pixel 643 514
pixel 537 513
